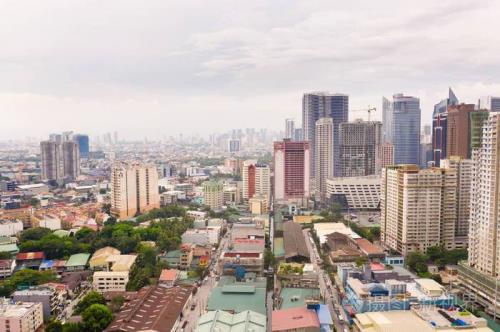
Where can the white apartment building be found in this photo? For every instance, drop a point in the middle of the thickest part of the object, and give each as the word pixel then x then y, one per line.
pixel 202 236
pixel 256 179
pixel 323 155
pixel 20 317
pixel 49 221
pixel 418 208
pixel 361 193
pixel 134 189
pixel 10 227
pixel 110 281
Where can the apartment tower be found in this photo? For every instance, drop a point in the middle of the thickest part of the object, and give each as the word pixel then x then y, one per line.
pixel 256 179
pixel 291 170
pixel 323 155
pixel 134 189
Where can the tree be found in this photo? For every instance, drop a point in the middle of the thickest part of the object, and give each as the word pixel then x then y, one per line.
pixel 35 202
pixel 96 318
pixel 360 261
pixel 88 300
pixel 72 327
pixel 269 259
pixel 54 326
pixel 34 234
pixel 117 303
pixel 25 277
pixel 415 261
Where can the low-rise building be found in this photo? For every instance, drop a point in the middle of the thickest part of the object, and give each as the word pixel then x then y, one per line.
pixel 259 204
pixel 7 267
pixel 29 260
pixel 21 317
pixel 51 299
pixel 427 319
pixel 202 236
pixel 77 262
pixel 360 193
pixel 249 261
pixel 295 319
pixel 156 308
pixel 10 227
pixel 168 277
pixel 120 263
pixel 49 221
pixel 98 260
pixel 109 281
pixel 186 256
pixel 295 243
pixel 297 275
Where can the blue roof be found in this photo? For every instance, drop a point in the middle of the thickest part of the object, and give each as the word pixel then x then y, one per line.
pixel 47 264
pixel 324 315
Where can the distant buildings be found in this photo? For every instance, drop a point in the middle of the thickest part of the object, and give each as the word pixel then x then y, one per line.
pixel 213 195
pixel 360 148
pixel 386 154
pixel 323 154
pixel 489 103
pixel 316 105
pixel 83 145
pixel 291 170
pixel 290 129
pixel 401 127
pixel 134 189
pixel 419 209
pixel 458 132
pixel 234 145
pixel 440 127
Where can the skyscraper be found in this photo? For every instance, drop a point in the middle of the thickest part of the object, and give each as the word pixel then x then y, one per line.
pixel 83 144
pixel 360 148
pixel 323 155
pixel 213 194
pixel 134 189
pixel 418 208
pixel 439 133
pixel 51 156
pixel 318 105
pixel 291 170
pixel 386 155
pixel 402 129
pixel 489 103
pixel 298 134
pixel 290 129
pixel 478 278
pixel 256 179
pixel 458 133
pixel 71 160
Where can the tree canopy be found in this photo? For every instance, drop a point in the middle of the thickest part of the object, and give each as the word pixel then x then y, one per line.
pixel 96 318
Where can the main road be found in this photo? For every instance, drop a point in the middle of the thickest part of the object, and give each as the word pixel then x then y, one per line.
pixel 327 290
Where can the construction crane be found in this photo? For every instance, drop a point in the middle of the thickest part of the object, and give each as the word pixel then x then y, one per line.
pixel 369 110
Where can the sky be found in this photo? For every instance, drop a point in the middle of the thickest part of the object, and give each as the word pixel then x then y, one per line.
pixel 156 68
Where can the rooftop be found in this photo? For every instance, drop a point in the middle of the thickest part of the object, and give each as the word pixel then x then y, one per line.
pixel 78 260
pixel 157 308
pixel 294 319
pixel 237 297
pixel 246 321
pixel 295 297
pixel 168 275
pixel 121 262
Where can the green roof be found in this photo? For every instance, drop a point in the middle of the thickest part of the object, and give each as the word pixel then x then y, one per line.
pixel 12 248
pixel 7 240
pixel 223 321
pixel 238 297
pixel 61 233
pixel 173 254
pixel 298 295
pixel 78 260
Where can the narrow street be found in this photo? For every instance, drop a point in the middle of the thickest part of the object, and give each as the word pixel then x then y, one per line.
pixel 327 290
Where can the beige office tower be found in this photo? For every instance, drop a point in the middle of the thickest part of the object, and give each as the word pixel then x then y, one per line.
pixel 213 195
pixel 71 160
pixel 323 155
pixel 256 179
pixel 463 168
pixel 51 156
pixel 418 208
pixel 134 189
pixel 478 278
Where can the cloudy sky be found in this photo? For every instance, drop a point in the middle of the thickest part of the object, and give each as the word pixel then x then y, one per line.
pixel 154 68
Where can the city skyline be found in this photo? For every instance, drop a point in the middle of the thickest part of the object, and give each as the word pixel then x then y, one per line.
pixel 200 69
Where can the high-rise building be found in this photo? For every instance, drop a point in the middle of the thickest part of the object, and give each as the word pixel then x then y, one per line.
pixel 479 277
pixel 298 134
pixel 323 155
pixel 234 145
pixel 458 133
pixel 318 105
pixel 402 127
pixel 51 156
pixel 489 103
pixel 463 169
pixel 134 189
pixel 290 129
pixel 71 160
pixel 213 194
pixel 21 316
pixel 256 179
pixel 439 127
pixel 386 155
pixel 418 208
pixel 359 144
pixel 291 170
pixel 83 144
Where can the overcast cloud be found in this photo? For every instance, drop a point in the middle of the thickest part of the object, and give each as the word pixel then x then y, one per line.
pixel 155 68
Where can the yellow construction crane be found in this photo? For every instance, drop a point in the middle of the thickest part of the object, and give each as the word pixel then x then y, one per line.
pixel 369 110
